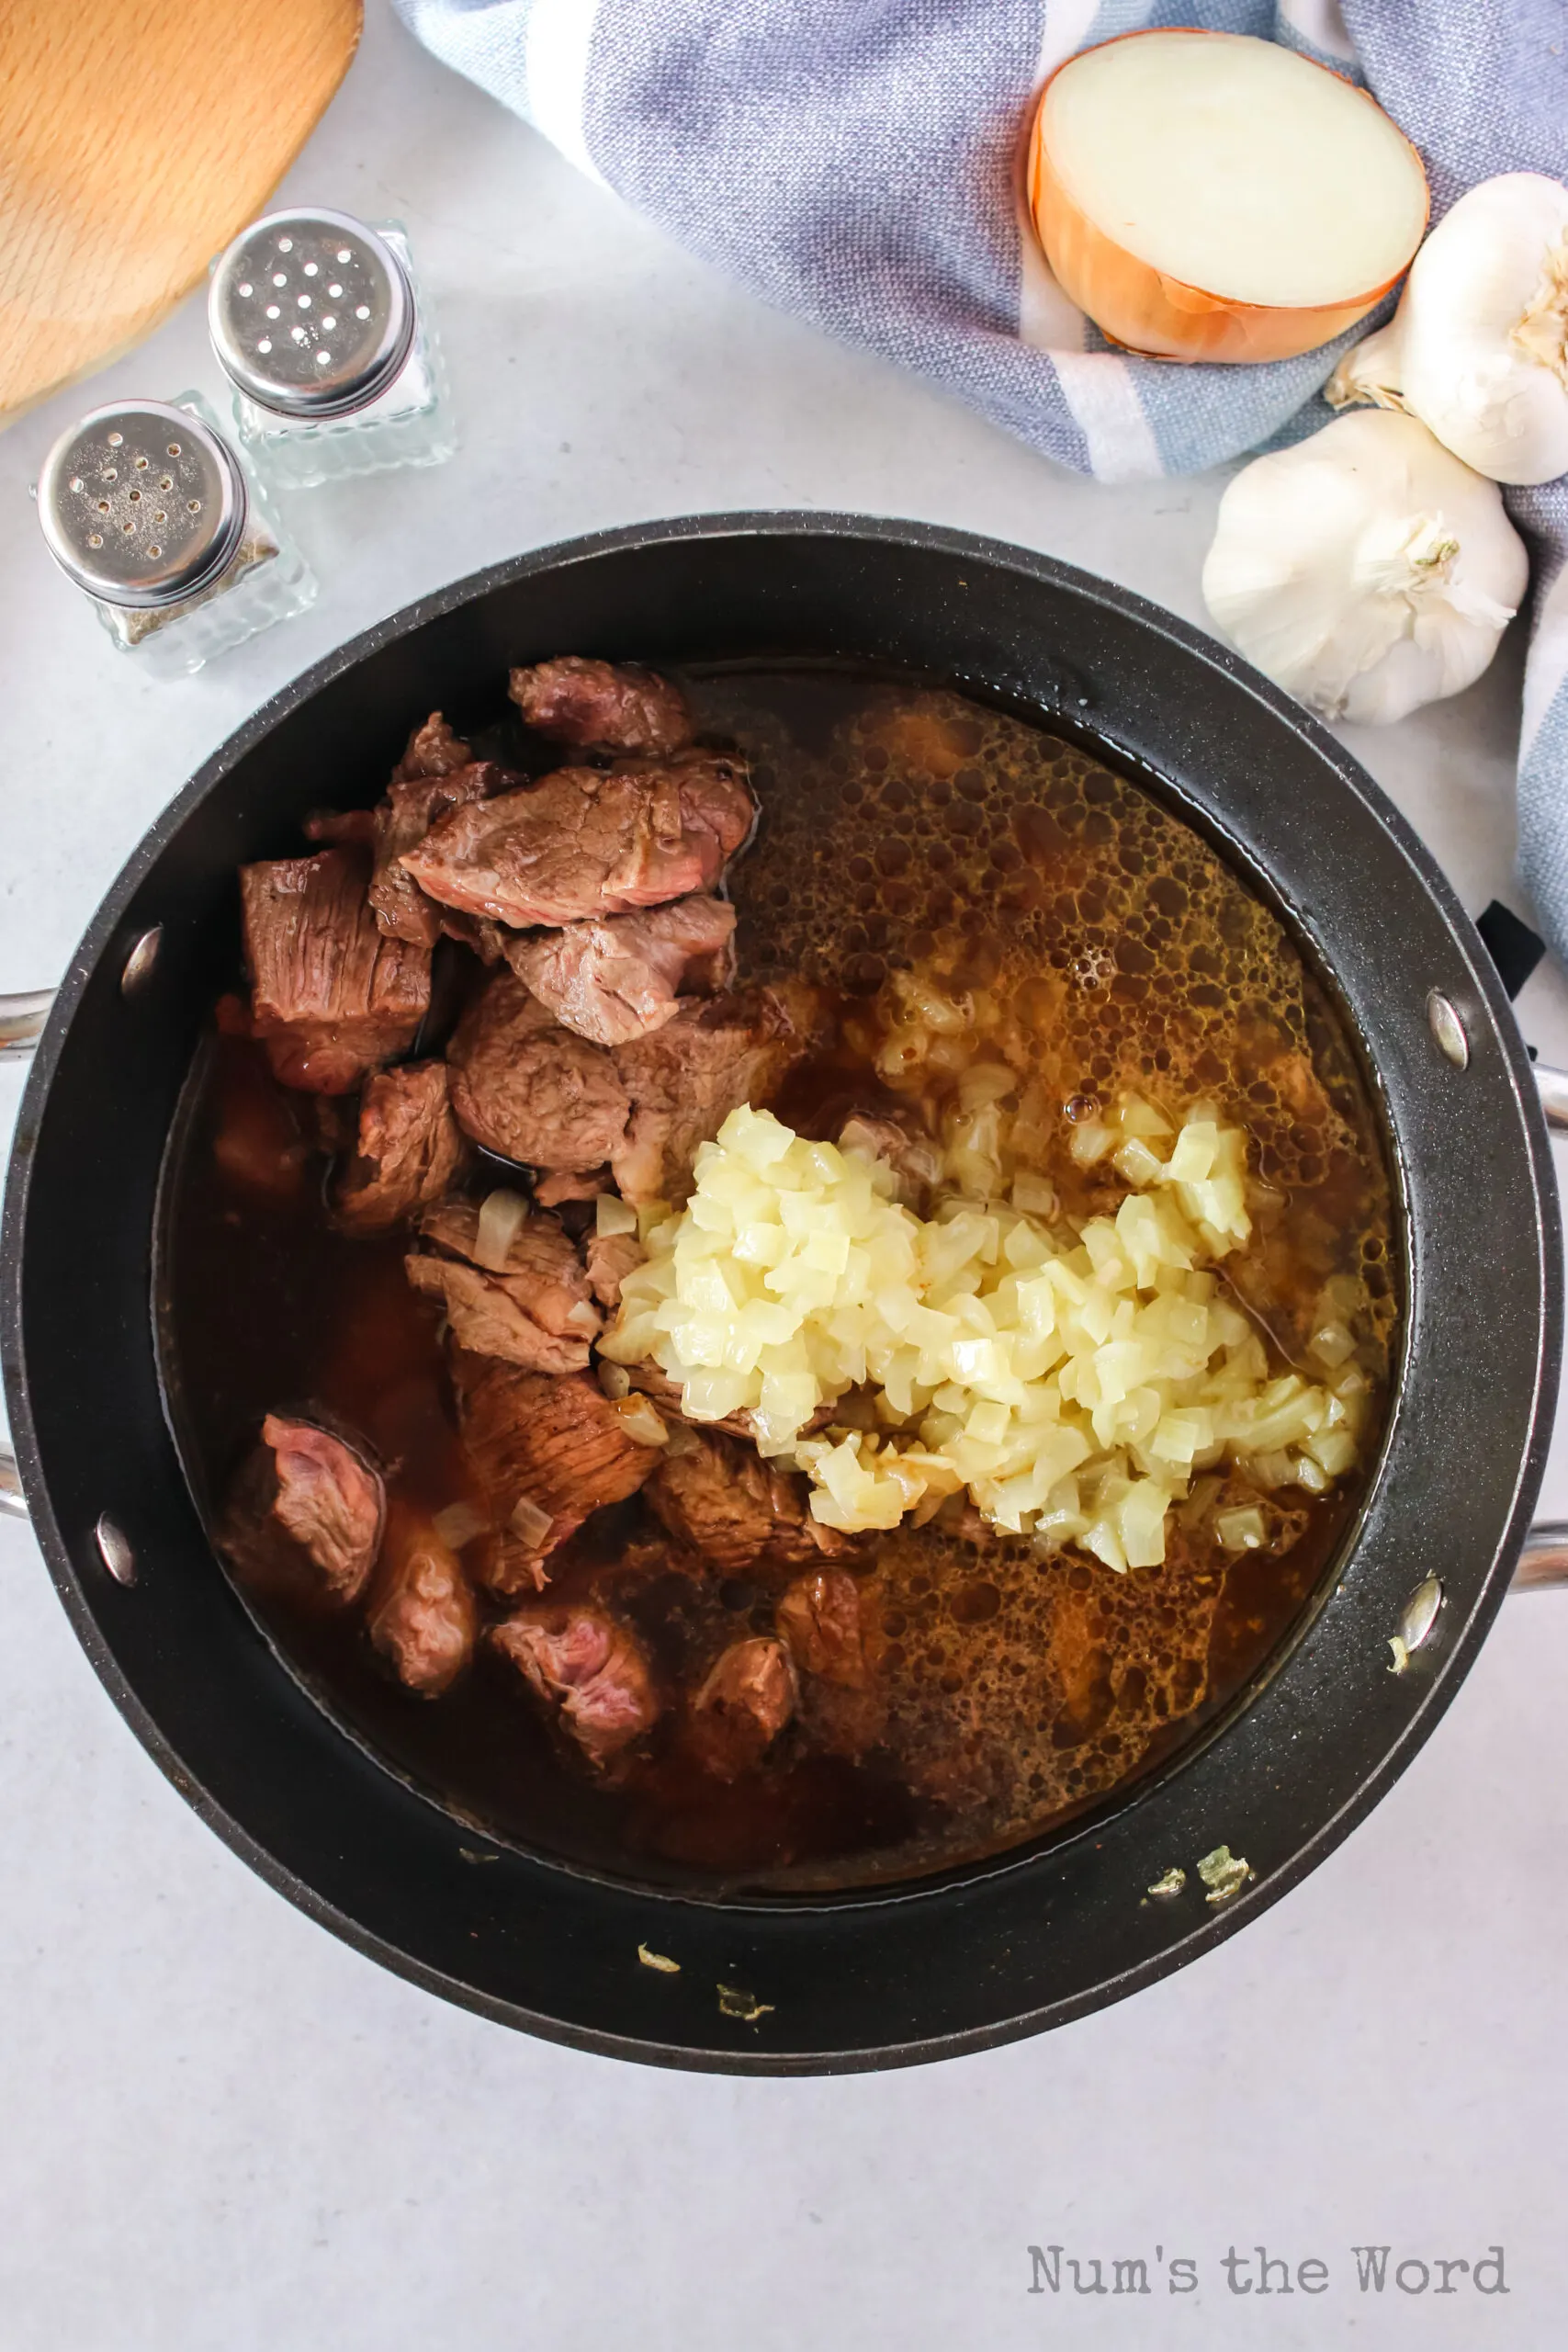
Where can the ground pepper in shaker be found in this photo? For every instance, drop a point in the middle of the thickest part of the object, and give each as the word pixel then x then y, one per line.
pixel 315 321
pixel 152 513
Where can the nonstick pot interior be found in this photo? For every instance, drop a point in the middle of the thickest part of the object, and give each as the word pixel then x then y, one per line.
pixel 920 1971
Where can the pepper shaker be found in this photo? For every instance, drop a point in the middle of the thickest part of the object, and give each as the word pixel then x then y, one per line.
pixel 315 321
pixel 152 513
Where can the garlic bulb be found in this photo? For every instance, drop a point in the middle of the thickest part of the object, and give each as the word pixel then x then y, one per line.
pixel 1479 349
pixel 1365 570
pixel 1372 373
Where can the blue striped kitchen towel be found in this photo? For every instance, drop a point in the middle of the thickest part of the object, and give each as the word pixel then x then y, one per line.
pixel 855 161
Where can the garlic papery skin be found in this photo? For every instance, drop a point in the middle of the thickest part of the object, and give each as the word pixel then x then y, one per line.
pixel 1484 329
pixel 1366 569
pixel 1371 373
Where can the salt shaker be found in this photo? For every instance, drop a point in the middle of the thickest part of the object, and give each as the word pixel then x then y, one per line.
pixel 315 321
pixel 150 511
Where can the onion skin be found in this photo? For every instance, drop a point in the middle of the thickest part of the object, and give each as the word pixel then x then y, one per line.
pixel 1158 317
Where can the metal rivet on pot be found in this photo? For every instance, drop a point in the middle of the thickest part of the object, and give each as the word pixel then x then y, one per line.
pixel 1448 1028
pixel 139 962
pixel 114 1549
pixel 1419 1613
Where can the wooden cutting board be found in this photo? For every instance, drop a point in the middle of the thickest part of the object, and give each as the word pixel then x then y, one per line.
pixel 137 136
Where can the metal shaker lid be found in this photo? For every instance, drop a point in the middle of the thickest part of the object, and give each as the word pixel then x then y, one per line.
pixel 141 504
pixel 312 314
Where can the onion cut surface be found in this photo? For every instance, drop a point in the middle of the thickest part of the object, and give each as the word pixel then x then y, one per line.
pixel 1209 196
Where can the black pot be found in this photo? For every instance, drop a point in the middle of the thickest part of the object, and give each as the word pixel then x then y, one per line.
pixel 997 1950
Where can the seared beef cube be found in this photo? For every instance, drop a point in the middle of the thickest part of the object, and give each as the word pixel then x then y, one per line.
pixel 332 996
pixel 411 805
pixel 409 1149
pixel 486 1316
pixel 524 1087
pixel 588 841
pixel 603 704
pixel 556 1186
pixel 742 1708
pixel 719 1498
pixel 819 1618
pixel 624 976
pixel 422 1614
pixel 685 1079
pixel 533 1308
pixel 545 1452
pixel 432 749
pixel 307 1515
pixel 611 1258
pixel 589 1671
pixel 342 828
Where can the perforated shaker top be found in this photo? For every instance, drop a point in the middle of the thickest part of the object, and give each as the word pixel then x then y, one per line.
pixel 312 314
pixel 140 504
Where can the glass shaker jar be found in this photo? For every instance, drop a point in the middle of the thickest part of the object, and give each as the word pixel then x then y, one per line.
pixel 315 321
pixel 151 512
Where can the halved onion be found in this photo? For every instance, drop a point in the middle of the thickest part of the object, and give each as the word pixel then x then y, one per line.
pixel 1209 196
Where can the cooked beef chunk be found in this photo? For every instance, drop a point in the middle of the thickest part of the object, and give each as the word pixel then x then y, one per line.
pixel 686 1078
pixel 721 1500
pixel 422 1613
pixel 560 1186
pixel 432 749
pixel 344 828
pixel 532 1309
pixel 584 1665
pixel 411 805
pixel 409 1150
pixel 914 1156
pixel 742 1707
pixel 545 1452
pixel 486 1316
pixel 588 841
pixel 332 996
pixel 524 1087
pixel 601 704
pixel 623 976
pixel 611 1256
pixel 819 1618
pixel 307 1515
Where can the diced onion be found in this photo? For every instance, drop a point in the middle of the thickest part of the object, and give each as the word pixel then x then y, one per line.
pixel 642 1419
pixel 1213 195
pixel 612 1215
pixel 502 1219
pixel 1081 1382
pixel 615 1380
pixel 528 1521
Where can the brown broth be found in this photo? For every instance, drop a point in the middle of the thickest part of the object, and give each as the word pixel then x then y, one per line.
pixel 1108 947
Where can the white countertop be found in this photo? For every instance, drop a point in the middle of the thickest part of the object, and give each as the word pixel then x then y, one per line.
pixel 223 2128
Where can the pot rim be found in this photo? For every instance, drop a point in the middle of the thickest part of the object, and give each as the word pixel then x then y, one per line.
pixel 1433 1680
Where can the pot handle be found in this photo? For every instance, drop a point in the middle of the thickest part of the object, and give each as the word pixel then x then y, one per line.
pixel 1543 1562
pixel 22 1019
pixel 1552 1085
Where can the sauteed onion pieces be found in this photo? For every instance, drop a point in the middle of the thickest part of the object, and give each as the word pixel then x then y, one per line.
pixel 1074 1380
